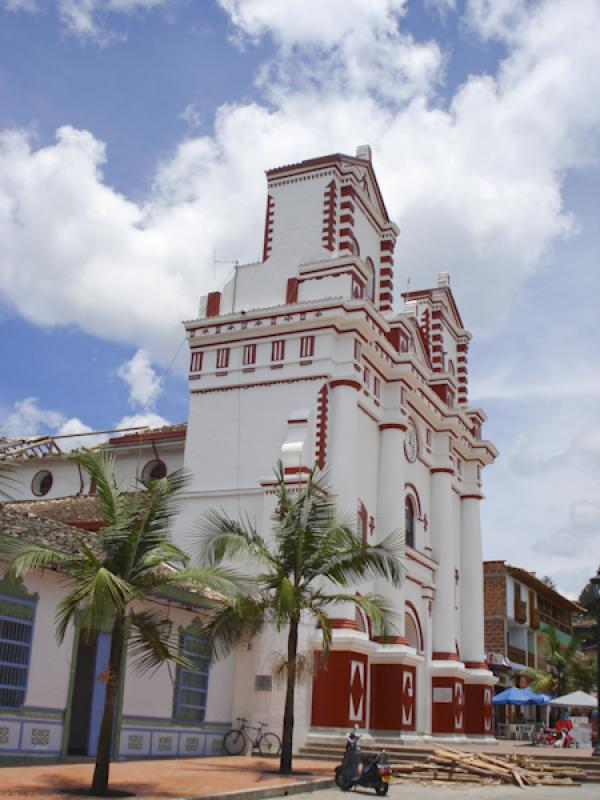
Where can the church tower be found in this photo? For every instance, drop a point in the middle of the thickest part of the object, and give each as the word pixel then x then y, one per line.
pixel 302 358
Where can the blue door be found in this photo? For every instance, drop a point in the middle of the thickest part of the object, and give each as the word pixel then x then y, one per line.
pixel 99 690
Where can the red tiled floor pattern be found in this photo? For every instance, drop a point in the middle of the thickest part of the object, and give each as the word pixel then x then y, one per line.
pixel 166 778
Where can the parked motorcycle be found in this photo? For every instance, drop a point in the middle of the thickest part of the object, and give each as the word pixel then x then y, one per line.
pixel 551 737
pixel 370 773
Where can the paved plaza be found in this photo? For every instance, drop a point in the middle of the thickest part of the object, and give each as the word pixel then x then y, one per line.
pixel 167 778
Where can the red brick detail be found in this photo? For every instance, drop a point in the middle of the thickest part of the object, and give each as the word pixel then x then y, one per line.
pixel 339 697
pixel 344 382
pixel 296 471
pixel 437 357
pixel 343 623
pixel 439 655
pixel 321 426
pixel 462 373
pixel 386 274
pixel 397 425
pixel 494 607
pixel 478 708
pixel 390 639
pixel 213 304
pixel 329 216
pixel 448 705
pixel 291 294
pixel 148 436
pixel 393 693
pixel 269 220
pixel 425 326
pixel 393 337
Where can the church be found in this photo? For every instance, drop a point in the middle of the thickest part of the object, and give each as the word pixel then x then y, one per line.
pixel 302 358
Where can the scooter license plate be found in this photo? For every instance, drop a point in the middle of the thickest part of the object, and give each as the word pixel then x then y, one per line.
pixel 386 778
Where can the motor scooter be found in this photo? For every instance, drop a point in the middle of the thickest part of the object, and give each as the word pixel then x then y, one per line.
pixel 375 773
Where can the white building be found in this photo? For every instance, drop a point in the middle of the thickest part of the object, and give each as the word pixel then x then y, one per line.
pixel 302 358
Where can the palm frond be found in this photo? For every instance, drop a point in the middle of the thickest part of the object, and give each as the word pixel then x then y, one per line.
pixel 164 553
pixel 218 537
pixel 99 464
pixel 349 560
pixel 7 478
pixel 97 597
pixel 224 581
pixel 25 556
pixel 377 608
pixel 231 621
pixel 324 623
pixel 153 642
pixel 150 515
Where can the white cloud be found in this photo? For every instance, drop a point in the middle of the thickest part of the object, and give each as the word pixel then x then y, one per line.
pixel 476 187
pixel 21 5
pixel 192 117
pixel 149 420
pixel 87 18
pixel 140 377
pixel 28 419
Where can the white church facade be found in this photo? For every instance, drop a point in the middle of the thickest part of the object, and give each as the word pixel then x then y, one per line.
pixel 302 358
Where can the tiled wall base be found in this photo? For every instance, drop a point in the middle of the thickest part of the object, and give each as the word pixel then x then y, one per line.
pixel 31 733
pixel 149 738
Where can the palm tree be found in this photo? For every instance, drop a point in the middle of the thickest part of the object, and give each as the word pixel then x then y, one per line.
pixel 311 556
pixel 131 559
pixel 564 669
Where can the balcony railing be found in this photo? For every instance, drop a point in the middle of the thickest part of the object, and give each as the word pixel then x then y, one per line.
pixel 534 618
pixel 517 655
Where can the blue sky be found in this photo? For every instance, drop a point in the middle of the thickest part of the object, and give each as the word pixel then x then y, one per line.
pixel 133 139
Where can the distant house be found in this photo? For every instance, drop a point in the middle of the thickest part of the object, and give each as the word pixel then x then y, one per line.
pixel 518 607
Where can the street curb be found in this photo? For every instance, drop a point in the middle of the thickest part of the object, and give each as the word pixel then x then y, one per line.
pixel 282 790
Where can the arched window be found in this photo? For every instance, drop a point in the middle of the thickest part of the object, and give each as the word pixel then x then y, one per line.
pixel 409 522
pixel 411 632
pixel 154 470
pixel 41 483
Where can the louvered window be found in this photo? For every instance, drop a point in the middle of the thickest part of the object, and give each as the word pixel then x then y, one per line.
pixel 16 635
pixel 192 684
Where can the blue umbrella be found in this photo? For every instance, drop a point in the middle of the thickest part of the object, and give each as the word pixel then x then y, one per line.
pixel 519 697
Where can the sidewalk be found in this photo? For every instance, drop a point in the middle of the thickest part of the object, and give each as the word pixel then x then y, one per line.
pixel 165 778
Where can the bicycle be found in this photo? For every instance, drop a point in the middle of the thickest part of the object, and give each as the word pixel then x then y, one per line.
pixel 236 741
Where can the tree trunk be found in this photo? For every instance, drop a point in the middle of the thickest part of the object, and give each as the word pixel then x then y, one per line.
pixel 285 763
pixel 113 682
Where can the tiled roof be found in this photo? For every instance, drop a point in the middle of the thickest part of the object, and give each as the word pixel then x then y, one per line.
pixel 176 431
pixel 23 525
pixel 70 510
pixel 44 446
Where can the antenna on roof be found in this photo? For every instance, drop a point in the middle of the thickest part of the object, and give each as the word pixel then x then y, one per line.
pixel 216 261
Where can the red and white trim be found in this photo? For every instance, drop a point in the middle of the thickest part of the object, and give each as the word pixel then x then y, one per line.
pixel 269 222
pixel 329 216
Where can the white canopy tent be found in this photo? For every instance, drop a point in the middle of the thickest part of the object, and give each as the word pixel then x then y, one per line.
pixel 575 700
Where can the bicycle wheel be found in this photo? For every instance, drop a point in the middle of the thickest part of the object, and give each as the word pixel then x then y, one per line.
pixel 269 744
pixel 234 742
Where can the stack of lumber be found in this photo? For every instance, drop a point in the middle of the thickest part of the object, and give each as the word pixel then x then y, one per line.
pixel 448 764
